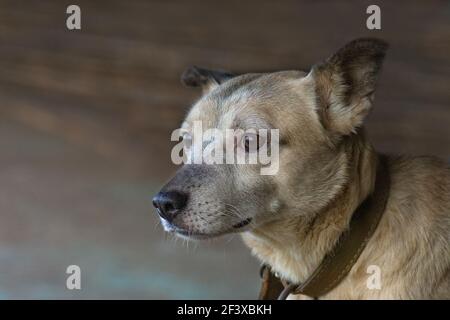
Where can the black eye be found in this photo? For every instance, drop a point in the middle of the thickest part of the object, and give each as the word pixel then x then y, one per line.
pixel 251 142
pixel 187 140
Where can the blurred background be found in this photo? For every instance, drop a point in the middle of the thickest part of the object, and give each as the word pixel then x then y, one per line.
pixel 86 117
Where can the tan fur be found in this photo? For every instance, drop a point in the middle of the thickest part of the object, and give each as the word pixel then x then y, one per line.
pixel 411 244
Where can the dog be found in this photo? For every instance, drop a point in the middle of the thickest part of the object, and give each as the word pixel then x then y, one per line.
pixel 327 167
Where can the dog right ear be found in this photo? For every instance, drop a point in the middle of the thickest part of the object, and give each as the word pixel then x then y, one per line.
pixel 204 78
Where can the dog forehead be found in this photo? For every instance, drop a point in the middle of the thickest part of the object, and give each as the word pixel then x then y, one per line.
pixel 245 99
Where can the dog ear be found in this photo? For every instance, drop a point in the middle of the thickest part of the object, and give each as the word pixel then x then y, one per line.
pixel 206 79
pixel 345 84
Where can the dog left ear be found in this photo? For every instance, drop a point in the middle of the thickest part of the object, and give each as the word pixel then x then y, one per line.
pixel 204 78
pixel 345 84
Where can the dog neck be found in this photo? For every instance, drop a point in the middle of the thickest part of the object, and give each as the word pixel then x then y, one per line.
pixel 295 245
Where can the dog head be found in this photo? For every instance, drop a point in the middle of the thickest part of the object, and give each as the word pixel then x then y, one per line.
pixel 313 113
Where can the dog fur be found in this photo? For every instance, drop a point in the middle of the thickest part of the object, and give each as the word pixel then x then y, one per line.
pixel 327 168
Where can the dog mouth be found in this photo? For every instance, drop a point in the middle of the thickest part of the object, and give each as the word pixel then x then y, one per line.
pixel 242 223
pixel 200 235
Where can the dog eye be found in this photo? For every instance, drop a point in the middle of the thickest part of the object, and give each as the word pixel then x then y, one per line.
pixel 252 142
pixel 187 140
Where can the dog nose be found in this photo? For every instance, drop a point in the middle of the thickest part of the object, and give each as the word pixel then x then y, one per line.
pixel 169 204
